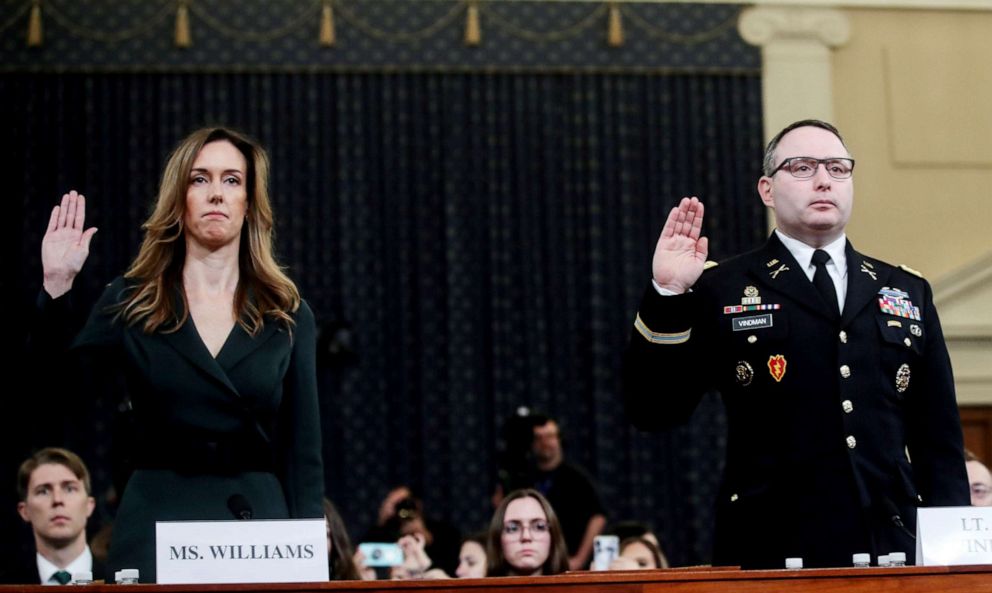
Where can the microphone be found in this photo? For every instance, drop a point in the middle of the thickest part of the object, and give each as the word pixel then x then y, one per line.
pixel 239 507
pixel 893 512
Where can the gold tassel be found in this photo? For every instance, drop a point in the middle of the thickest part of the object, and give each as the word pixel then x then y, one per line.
pixel 327 37
pixel 473 33
pixel 183 38
pixel 614 36
pixel 35 36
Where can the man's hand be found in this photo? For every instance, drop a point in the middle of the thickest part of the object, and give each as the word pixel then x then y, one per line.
pixel 681 252
pixel 65 245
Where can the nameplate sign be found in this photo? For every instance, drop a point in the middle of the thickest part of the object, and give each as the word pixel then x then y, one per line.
pixel 953 535
pixel 260 551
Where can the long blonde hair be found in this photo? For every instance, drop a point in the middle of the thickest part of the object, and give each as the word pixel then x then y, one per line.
pixel 156 273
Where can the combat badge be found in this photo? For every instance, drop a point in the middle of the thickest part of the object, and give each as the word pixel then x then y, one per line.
pixel 751 301
pixel 776 366
pixel 902 378
pixel 744 373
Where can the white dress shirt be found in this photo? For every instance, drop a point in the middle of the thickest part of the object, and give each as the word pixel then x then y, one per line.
pixel 46 570
pixel 836 267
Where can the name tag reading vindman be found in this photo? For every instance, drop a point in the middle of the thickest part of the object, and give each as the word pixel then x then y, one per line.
pixel 197 552
pixel 755 322
pixel 953 535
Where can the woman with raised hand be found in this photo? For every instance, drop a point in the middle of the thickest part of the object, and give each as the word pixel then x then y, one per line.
pixel 214 341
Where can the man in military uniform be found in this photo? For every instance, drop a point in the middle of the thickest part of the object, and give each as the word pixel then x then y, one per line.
pixel 832 366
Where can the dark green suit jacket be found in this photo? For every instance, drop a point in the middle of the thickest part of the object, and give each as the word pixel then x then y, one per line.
pixel 246 423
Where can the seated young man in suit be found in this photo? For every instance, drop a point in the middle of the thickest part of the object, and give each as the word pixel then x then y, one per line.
pixel 54 489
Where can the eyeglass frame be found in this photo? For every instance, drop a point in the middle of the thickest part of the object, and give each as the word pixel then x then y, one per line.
pixel 788 161
pixel 533 528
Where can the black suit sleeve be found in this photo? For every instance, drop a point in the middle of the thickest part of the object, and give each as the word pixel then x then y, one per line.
pixel 663 373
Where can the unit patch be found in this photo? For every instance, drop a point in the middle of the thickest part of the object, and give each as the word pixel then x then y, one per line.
pixel 776 366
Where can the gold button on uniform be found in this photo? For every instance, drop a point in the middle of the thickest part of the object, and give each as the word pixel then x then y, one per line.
pixel 845 371
pixel 908 342
pixel 752 339
pixel 847 405
pixel 733 498
pixel 843 337
pixel 852 442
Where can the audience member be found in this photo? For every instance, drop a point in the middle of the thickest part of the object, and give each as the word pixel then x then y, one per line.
pixel 472 557
pixel 340 553
pixel 567 486
pixel 638 553
pixel 980 480
pixel 402 513
pixel 54 490
pixel 525 537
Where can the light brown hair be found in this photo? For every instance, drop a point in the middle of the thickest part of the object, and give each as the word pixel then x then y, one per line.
pixel 264 290
pixel 54 455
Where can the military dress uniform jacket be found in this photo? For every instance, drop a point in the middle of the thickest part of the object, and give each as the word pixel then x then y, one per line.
pixel 244 423
pixel 837 429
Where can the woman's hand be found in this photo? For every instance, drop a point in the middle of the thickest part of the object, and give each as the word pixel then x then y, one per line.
pixel 66 245
pixel 415 559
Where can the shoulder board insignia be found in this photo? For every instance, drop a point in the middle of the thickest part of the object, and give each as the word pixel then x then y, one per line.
pixel 906 268
pixel 710 264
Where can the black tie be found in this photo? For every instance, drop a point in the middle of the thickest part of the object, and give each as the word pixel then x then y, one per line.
pixel 823 282
pixel 62 577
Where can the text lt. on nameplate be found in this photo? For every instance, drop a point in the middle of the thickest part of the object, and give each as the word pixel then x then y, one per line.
pixel 953 535
pixel 195 552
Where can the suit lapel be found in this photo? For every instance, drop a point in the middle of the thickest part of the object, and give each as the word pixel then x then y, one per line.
pixel 864 279
pixel 187 342
pixel 240 344
pixel 775 268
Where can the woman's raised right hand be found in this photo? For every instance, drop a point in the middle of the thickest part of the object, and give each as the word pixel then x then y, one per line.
pixel 66 245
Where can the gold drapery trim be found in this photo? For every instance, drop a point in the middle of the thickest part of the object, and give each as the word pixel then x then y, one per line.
pixel 473 30
pixel 656 32
pixel 326 11
pixel 404 36
pixel 296 22
pixel 327 37
pixel 543 36
pixel 52 10
pixel 182 36
pixel 35 36
pixel 614 32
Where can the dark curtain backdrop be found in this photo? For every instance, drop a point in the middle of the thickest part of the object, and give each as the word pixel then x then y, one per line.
pixel 486 235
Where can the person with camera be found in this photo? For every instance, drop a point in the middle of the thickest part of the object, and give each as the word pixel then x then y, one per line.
pixel 402 519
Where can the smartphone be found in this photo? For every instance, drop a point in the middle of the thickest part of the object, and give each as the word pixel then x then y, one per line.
pixel 381 554
pixel 605 548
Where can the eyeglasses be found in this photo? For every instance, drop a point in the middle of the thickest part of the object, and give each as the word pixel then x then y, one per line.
pixel 805 167
pixel 537 527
